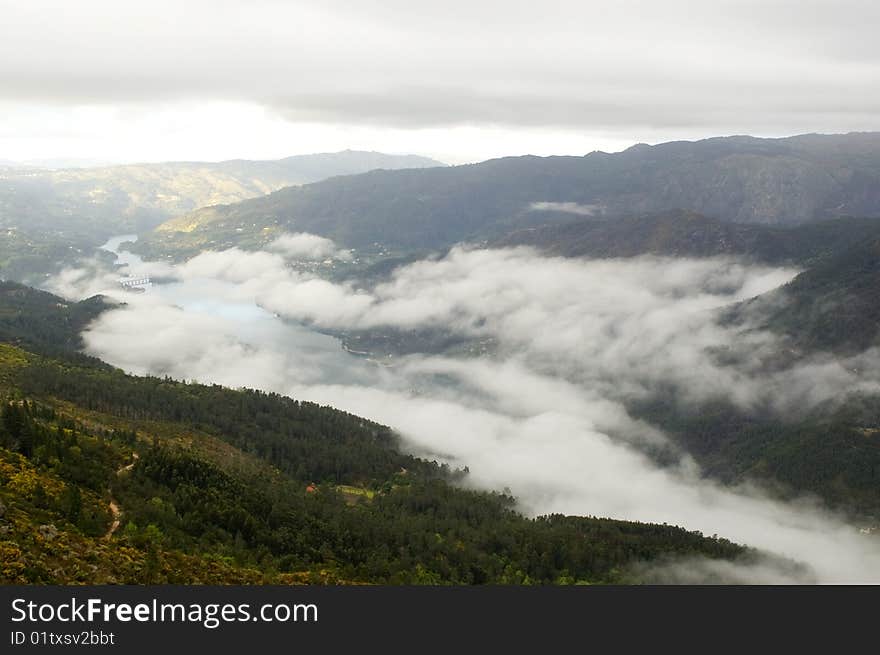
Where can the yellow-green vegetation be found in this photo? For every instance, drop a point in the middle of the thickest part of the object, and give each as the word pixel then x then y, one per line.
pixel 11 360
pixel 204 229
pixel 39 545
pixel 191 221
pixel 44 539
pixel 354 494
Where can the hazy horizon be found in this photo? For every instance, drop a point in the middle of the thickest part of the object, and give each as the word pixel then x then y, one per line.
pixel 75 161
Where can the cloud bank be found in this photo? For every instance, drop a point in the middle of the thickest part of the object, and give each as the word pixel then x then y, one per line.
pixel 618 326
pixel 545 414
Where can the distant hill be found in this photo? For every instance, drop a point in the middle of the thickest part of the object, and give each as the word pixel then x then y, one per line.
pixel 152 192
pixel 683 233
pixel 735 179
pixel 47 216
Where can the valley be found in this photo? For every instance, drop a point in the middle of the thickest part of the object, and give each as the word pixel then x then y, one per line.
pixel 562 357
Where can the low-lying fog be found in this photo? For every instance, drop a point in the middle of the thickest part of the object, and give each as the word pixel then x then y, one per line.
pixel 544 415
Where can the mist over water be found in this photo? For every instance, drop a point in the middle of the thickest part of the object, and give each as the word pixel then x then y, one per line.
pixel 205 310
pixel 544 415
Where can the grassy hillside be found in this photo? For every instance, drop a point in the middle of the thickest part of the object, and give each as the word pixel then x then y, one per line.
pixel 738 179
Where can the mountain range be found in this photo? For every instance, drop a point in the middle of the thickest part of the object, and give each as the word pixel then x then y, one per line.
pixel 776 182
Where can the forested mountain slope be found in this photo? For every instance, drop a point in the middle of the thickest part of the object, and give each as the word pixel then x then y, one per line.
pixel 683 233
pixel 832 306
pixel 106 477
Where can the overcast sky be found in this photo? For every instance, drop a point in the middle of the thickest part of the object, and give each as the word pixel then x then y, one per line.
pixel 458 80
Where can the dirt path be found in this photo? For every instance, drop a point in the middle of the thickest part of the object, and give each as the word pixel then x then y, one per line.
pixel 114 507
pixel 134 458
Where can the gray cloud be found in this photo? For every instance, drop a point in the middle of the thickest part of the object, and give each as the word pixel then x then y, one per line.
pixel 546 415
pixel 726 66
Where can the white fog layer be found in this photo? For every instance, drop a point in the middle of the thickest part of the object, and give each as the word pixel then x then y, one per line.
pixel 544 415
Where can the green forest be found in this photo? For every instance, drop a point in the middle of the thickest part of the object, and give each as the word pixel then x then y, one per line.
pixel 265 486
pixel 111 478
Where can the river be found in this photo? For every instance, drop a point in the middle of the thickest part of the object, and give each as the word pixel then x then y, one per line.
pixel 252 325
